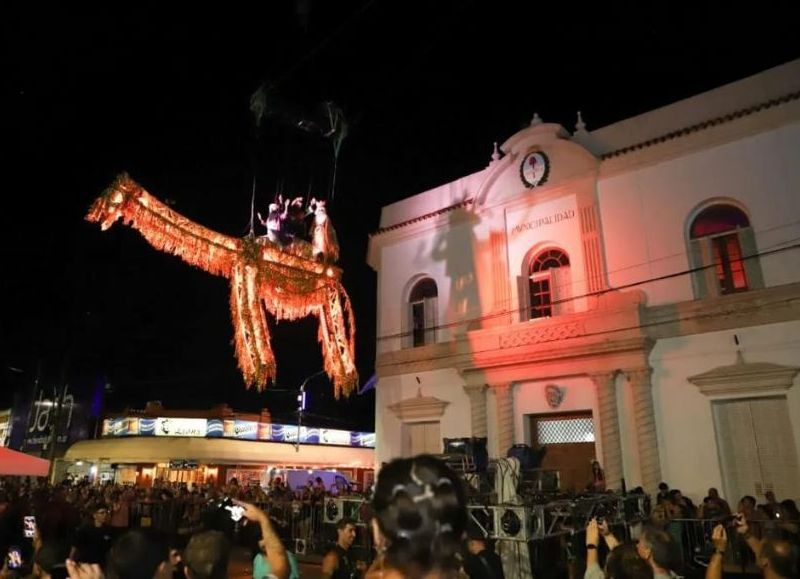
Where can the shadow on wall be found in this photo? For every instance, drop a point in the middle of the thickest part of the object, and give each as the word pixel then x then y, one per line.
pixel 455 246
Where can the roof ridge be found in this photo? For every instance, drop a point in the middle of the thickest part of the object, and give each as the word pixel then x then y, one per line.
pixel 703 125
pixel 422 217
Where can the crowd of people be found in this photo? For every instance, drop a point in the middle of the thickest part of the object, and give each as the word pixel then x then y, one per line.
pixel 671 504
pixel 418 521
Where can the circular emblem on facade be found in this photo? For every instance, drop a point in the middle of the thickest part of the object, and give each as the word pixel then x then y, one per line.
pixel 555 395
pixel 534 169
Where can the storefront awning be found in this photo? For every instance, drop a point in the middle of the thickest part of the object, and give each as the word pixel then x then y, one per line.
pixel 15 463
pixel 139 450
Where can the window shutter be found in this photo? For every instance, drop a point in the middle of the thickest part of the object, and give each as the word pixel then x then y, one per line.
pixel 695 261
pixel 430 320
pixel 752 266
pixel 407 326
pixel 709 286
pixel 777 452
pixel 561 290
pixel 737 448
pixel 755 453
pixel 422 438
pixel 524 298
pixel 433 438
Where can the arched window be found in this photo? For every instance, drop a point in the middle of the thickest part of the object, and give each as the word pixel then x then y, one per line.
pixel 721 241
pixel 548 284
pixel 422 312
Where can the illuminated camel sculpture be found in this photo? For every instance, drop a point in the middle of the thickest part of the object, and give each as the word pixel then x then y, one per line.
pixel 286 282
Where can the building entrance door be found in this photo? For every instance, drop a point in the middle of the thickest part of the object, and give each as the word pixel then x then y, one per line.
pixel 756 448
pixel 569 443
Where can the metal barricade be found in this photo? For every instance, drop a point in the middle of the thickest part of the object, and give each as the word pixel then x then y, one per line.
pixel 693 537
pixel 309 526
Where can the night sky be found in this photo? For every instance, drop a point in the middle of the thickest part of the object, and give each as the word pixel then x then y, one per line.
pixel 426 87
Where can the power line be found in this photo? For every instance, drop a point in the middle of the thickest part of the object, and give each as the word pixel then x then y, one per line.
pixel 574 282
pixel 325 41
pixel 523 309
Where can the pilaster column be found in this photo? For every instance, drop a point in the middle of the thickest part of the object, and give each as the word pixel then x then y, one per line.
pixel 593 255
pixel 609 427
pixel 477 405
pixel 645 428
pixel 504 400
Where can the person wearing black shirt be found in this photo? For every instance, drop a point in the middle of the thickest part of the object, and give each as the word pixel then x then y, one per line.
pixel 339 562
pixel 92 543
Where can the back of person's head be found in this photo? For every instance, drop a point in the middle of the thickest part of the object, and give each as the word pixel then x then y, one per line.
pixel 674 495
pixel 663 550
pixel 781 556
pixel 50 559
pixel 790 509
pixel 624 562
pixel 748 502
pixel 420 510
pixel 206 556
pixel 663 487
pixel 137 555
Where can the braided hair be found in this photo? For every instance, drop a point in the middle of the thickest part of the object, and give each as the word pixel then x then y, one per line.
pixel 420 507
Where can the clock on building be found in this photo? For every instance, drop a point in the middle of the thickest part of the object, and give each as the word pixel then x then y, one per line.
pixel 534 169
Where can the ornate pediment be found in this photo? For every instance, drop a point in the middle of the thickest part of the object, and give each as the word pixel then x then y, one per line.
pixel 419 408
pixel 745 378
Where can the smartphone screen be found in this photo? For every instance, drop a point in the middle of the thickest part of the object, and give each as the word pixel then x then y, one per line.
pixel 236 512
pixel 29 527
pixel 14 558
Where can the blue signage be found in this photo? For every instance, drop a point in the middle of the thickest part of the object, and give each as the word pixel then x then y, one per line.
pixel 238 429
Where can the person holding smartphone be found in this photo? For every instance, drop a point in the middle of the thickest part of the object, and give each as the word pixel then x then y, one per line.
pixel 276 557
pixel 10 526
pixel 14 558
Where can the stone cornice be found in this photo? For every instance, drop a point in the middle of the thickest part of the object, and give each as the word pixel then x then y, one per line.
pixel 622 326
pixel 753 308
pixel 421 358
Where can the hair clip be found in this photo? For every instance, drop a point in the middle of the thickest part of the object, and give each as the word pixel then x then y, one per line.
pixel 426 494
pixel 398 488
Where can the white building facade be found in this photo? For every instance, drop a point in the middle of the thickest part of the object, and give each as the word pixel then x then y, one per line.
pixel 630 294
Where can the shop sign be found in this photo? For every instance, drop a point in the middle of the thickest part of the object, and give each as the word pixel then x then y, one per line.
pixel 181 427
pixel 245 430
pixel 331 436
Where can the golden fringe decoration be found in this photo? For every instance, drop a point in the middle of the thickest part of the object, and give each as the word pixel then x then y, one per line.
pixel 284 282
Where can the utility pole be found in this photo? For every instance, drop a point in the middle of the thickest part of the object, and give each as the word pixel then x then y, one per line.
pixel 301 406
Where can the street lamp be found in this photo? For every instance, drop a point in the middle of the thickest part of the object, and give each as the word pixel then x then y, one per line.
pixel 301 406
